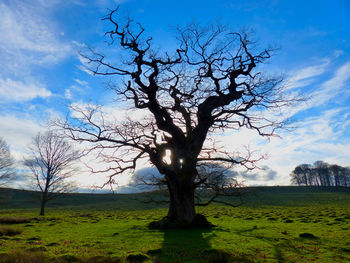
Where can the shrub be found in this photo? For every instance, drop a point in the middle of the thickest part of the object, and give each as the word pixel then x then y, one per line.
pixel 14 220
pixel 10 231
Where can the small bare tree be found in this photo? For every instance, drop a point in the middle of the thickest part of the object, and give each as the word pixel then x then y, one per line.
pixel 52 162
pixel 6 163
pixel 214 183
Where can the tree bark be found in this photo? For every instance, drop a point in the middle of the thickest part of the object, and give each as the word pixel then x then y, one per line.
pixel 181 206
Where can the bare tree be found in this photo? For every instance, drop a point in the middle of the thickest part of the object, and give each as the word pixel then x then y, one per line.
pixel 216 182
pixel 6 163
pixel 52 162
pixel 147 179
pixel 210 83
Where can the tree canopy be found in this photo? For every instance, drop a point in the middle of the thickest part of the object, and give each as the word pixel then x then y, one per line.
pixel 211 82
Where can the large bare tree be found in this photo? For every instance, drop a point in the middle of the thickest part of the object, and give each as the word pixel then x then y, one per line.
pixel 52 162
pixel 6 163
pixel 213 81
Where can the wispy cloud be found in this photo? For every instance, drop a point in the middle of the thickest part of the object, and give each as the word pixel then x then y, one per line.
pixel 316 138
pixel 68 94
pixel 319 136
pixel 81 82
pixel 112 113
pixel 28 36
pixel 17 91
pixel 305 76
pixel 321 93
pixel 340 77
pixel 332 87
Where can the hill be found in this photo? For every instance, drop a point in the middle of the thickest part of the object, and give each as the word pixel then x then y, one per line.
pixel 254 196
pixel 276 224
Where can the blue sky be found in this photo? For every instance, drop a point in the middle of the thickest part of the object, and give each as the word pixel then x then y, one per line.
pixel 40 71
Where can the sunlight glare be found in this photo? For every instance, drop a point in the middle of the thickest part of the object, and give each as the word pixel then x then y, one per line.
pixel 167 157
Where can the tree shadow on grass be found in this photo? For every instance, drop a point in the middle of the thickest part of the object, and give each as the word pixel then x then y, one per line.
pixel 181 245
pixel 280 246
pixel 190 245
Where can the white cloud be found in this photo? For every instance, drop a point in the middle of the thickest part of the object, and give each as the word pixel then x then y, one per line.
pixel 112 113
pixel 28 36
pixel 18 129
pixel 16 91
pixel 18 132
pixel 78 44
pixel 305 76
pixel 333 87
pixel 68 94
pixel 316 138
pixel 340 77
pixel 80 86
pixel 322 93
pixel 81 82
pixel 263 176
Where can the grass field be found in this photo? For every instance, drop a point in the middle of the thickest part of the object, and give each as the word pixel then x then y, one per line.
pixel 276 224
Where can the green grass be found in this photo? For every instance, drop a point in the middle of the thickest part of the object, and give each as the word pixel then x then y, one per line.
pixel 277 225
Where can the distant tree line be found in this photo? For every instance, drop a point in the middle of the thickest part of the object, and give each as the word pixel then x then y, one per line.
pixel 321 174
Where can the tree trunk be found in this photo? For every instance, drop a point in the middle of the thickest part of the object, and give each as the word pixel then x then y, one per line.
pixel 305 179
pixel 42 209
pixel 181 206
pixel 43 203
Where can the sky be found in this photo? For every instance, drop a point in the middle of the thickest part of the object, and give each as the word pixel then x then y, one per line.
pixel 41 73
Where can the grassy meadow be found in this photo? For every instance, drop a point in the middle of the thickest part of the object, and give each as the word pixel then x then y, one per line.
pixel 276 224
